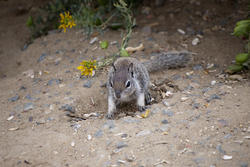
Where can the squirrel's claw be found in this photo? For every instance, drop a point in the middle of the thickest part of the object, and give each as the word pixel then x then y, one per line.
pixel 142 108
pixel 110 116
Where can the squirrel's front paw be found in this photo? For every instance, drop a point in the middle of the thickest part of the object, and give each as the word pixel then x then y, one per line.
pixel 110 116
pixel 142 108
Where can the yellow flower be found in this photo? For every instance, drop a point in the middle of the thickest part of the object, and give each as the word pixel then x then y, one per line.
pixel 66 21
pixel 87 68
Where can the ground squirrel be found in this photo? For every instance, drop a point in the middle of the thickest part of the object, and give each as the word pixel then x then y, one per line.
pixel 128 78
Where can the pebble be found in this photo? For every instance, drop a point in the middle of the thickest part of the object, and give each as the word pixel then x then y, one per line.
pixel 99 133
pixel 30 119
pixel 42 57
pixel 223 122
pixel 68 107
pixel 195 41
pixel 28 97
pixel 244 164
pixel 10 118
pixel 168 113
pixel 28 106
pixel 93 40
pixel 87 84
pixel 73 144
pixel 13 129
pixel 143 133
pixel 124 136
pixel 121 145
pixel 236 77
pixel 109 124
pixel 29 73
pixel 181 31
pixel 76 126
pixel 89 137
pixel 197 67
pixel 213 82
pixel 227 157
pixel 13 99
pixel 219 148
pixel 213 97
pixel 196 105
pixel 164 121
pixel 204 90
pixel 184 99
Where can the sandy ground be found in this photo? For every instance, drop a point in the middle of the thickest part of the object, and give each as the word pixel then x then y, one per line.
pixel 206 122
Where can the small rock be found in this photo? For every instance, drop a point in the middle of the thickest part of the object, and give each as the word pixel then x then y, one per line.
pixel 93 40
pixel 89 137
pixel 213 82
pixel 213 97
pixel 76 126
pixel 168 113
pixel 143 133
pixel 196 105
pixel 72 144
pixel 223 122
pixel 244 164
pixel 113 42
pixel 247 137
pixel 13 129
pixel 30 119
pixel 99 133
pixel 29 73
pixel 13 99
pixel 58 60
pixel 42 57
pixel 164 121
pixel 10 118
pixel 28 106
pixel 87 84
pixel 227 157
pixel 121 145
pixel 227 136
pixel 205 90
pixel 68 107
pixel 109 124
pixel 28 97
pixel 165 103
pixel 181 31
pixel 195 41
pixel 184 99
pixel 219 148
pixel 124 136
pixel 130 158
pixel 236 77
pixel 197 67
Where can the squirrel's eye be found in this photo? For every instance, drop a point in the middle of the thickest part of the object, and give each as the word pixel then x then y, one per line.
pixel 128 84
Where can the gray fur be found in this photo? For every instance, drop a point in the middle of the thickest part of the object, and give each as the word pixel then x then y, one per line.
pixel 130 69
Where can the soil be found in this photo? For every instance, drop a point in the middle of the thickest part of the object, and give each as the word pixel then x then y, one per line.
pixel 49 118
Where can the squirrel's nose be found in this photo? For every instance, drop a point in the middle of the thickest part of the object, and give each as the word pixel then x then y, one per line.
pixel 118 94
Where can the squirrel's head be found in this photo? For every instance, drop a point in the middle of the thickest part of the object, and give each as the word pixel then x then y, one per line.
pixel 122 82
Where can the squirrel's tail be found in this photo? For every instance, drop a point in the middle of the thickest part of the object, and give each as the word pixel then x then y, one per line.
pixel 166 60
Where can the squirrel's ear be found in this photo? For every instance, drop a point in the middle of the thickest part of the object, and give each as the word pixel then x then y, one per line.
pixel 113 66
pixel 130 69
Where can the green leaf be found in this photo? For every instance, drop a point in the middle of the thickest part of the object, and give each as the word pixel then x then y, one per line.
pixel 242 28
pixel 29 22
pixel 235 68
pixel 124 53
pixel 241 58
pixel 104 44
